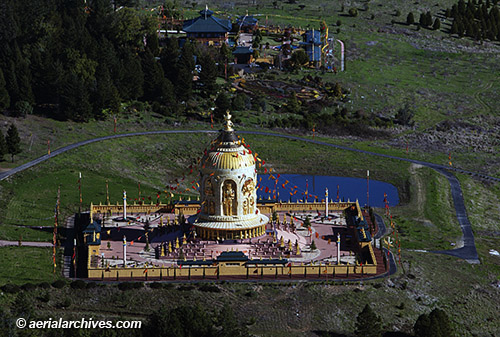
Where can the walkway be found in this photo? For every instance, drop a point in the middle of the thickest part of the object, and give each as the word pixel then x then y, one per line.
pixel 467 252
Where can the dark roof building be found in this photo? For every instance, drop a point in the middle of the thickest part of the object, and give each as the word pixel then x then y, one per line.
pixel 243 55
pixel 207 28
pixel 247 23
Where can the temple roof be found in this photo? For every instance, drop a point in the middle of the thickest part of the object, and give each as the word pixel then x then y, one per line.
pixel 247 20
pixel 207 23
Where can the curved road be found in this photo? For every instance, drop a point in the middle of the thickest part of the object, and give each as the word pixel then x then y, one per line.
pixel 467 252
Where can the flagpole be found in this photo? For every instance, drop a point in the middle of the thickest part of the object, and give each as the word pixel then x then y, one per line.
pixel 80 190
pixel 74 258
pixel 368 188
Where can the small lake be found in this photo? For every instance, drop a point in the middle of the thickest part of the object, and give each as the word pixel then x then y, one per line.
pixel 348 188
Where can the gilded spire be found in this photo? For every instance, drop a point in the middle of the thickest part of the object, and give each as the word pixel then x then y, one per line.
pixel 229 124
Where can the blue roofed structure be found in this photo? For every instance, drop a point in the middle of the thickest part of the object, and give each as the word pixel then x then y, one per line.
pixel 312 44
pixel 243 55
pixel 247 23
pixel 207 28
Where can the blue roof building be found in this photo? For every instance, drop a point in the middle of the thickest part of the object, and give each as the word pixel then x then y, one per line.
pixel 312 44
pixel 207 28
pixel 247 23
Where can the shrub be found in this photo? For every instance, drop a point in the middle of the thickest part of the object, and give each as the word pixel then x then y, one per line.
pixel 28 286
pixel 353 12
pixel 339 22
pixel 212 288
pixel 78 284
pixel 44 285
pixel 11 288
pixel 59 284
pixel 91 285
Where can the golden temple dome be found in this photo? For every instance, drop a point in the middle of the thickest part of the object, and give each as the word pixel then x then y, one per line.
pixel 227 151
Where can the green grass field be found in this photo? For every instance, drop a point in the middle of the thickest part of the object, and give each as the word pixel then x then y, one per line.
pixel 21 265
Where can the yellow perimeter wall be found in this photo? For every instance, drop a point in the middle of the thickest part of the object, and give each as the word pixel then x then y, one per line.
pixel 191 209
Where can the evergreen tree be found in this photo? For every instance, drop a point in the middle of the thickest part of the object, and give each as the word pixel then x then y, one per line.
pixel 4 94
pixel 11 82
pixel 428 19
pixel 368 323
pixel 169 58
pixel 293 105
pixel 423 20
pixel 13 141
pixel 106 95
pixel 222 104
pixel 437 24
pixel 239 102
pixel 3 146
pixel 100 17
pixel 74 99
pixel 187 56
pixel 131 76
pixel 454 27
pixel 184 84
pixel 156 86
pixel 436 324
pixel 208 74
pixel 410 19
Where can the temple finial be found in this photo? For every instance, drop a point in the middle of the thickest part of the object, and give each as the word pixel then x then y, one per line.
pixel 229 124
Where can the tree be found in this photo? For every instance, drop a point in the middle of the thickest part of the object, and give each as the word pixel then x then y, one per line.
pixel 437 24
pixel 436 324
pixel 156 86
pixel 3 146
pixel 313 245
pixel 222 104
pixel 132 79
pixel 4 94
pixel 368 323
pixel 299 58
pixel 74 99
pixel 208 74
pixel 404 115
pixel 410 19
pixel 239 102
pixel 13 141
pixel 293 104
pixel 23 108
pixel 423 20
pixel 106 95
pixel 169 57
pixel 184 84
pixel 353 12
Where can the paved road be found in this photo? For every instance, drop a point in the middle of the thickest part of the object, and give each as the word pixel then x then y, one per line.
pixel 467 252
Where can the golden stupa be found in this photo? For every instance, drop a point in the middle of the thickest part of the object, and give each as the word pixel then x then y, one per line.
pixel 227 187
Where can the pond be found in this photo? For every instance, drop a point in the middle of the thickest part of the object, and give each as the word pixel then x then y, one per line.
pixel 293 187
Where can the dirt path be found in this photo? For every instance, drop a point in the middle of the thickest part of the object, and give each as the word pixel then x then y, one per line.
pixel 477 96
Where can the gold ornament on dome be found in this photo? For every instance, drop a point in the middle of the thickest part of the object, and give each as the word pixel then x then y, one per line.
pixel 229 124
